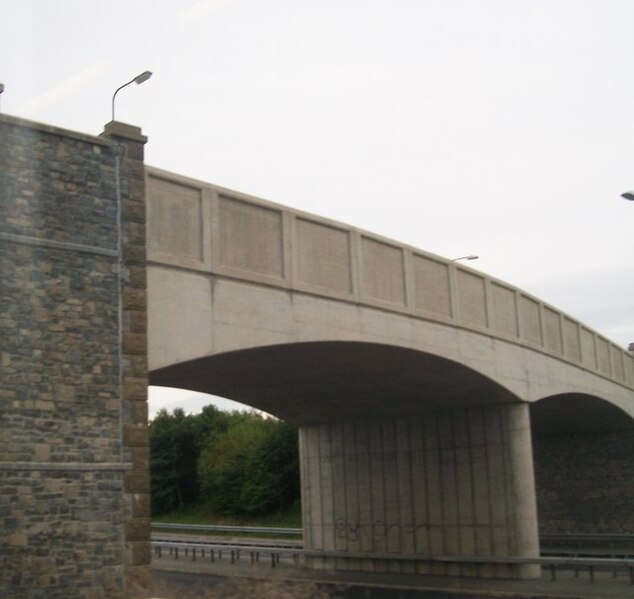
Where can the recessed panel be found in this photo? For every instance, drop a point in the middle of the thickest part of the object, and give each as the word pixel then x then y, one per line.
pixel 588 353
pixel 431 286
pixel 603 356
pixel 572 345
pixel 383 275
pixel 617 363
pixel 174 219
pixel 250 238
pixel 552 331
pixel 504 315
pixel 529 320
pixel 471 298
pixel 323 256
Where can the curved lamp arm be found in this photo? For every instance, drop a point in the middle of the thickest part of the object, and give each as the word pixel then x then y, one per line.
pixel 144 76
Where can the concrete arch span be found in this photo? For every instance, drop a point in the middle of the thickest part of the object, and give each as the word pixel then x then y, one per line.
pixel 402 451
pixel 194 317
pixel 317 382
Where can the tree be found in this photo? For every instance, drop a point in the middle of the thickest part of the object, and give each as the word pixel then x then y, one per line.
pixel 224 461
pixel 271 481
pixel 175 443
pixel 252 468
pixel 165 491
pixel 238 463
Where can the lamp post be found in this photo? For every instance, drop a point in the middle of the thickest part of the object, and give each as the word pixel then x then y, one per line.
pixel 469 257
pixel 628 195
pixel 144 76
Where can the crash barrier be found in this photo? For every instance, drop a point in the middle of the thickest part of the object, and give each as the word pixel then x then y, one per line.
pixel 255 553
pixel 588 544
pixel 270 530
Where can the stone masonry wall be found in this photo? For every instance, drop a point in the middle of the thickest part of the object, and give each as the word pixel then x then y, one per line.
pixel 67 472
pixel 585 482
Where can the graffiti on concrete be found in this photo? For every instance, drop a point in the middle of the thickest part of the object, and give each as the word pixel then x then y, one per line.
pixel 376 532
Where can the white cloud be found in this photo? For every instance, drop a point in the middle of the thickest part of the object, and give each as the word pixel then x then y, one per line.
pixel 65 88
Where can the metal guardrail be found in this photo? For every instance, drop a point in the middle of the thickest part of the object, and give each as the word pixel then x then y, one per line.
pixel 553 564
pixel 588 545
pixel 273 530
pixel 297 556
pixel 582 537
pixel 611 541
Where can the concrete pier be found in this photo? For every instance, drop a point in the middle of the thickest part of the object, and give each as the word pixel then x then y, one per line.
pixel 453 483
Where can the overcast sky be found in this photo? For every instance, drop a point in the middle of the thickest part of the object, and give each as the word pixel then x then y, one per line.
pixel 499 128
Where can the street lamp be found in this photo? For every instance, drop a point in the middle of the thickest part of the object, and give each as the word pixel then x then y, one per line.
pixel 469 257
pixel 628 195
pixel 144 76
pixel 1 88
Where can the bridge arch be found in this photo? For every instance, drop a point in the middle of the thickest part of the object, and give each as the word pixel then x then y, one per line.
pixel 308 383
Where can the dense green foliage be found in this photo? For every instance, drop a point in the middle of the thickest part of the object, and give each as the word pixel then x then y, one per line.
pixel 236 463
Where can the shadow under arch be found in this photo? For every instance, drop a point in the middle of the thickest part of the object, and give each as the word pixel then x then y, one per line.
pixel 316 382
pixel 583 454
pixel 577 413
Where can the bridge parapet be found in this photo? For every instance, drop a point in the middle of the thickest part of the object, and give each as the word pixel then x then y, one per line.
pixel 209 229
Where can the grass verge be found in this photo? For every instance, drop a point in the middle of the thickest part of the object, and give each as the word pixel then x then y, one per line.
pixel 202 514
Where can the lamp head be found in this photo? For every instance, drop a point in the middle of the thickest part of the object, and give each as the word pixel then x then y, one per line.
pixel 469 257
pixel 628 195
pixel 144 76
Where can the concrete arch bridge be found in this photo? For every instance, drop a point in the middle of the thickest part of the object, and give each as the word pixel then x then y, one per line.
pixel 441 412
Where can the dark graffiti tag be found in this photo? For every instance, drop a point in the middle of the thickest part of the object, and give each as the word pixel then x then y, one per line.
pixel 374 533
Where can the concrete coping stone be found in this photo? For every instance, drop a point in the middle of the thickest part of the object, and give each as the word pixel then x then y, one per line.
pixel 119 129
pixel 59 131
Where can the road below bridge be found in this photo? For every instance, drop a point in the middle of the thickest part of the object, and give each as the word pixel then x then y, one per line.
pixel 185 579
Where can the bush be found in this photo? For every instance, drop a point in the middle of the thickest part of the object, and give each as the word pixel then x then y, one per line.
pixel 238 463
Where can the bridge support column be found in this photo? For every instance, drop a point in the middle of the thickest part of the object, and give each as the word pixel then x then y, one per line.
pixel 454 484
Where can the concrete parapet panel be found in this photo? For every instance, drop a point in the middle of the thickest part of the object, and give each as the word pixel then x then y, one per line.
pixel 382 272
pixel 588 349
pixel 552 331
pixel 431 286
pixel 529 320
pixel 175 219
pixel 471 298
pixel 572 341
pixel 250 238
pixel 618 370
pixel 503 310
pixel 323 256
pixel 603 356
